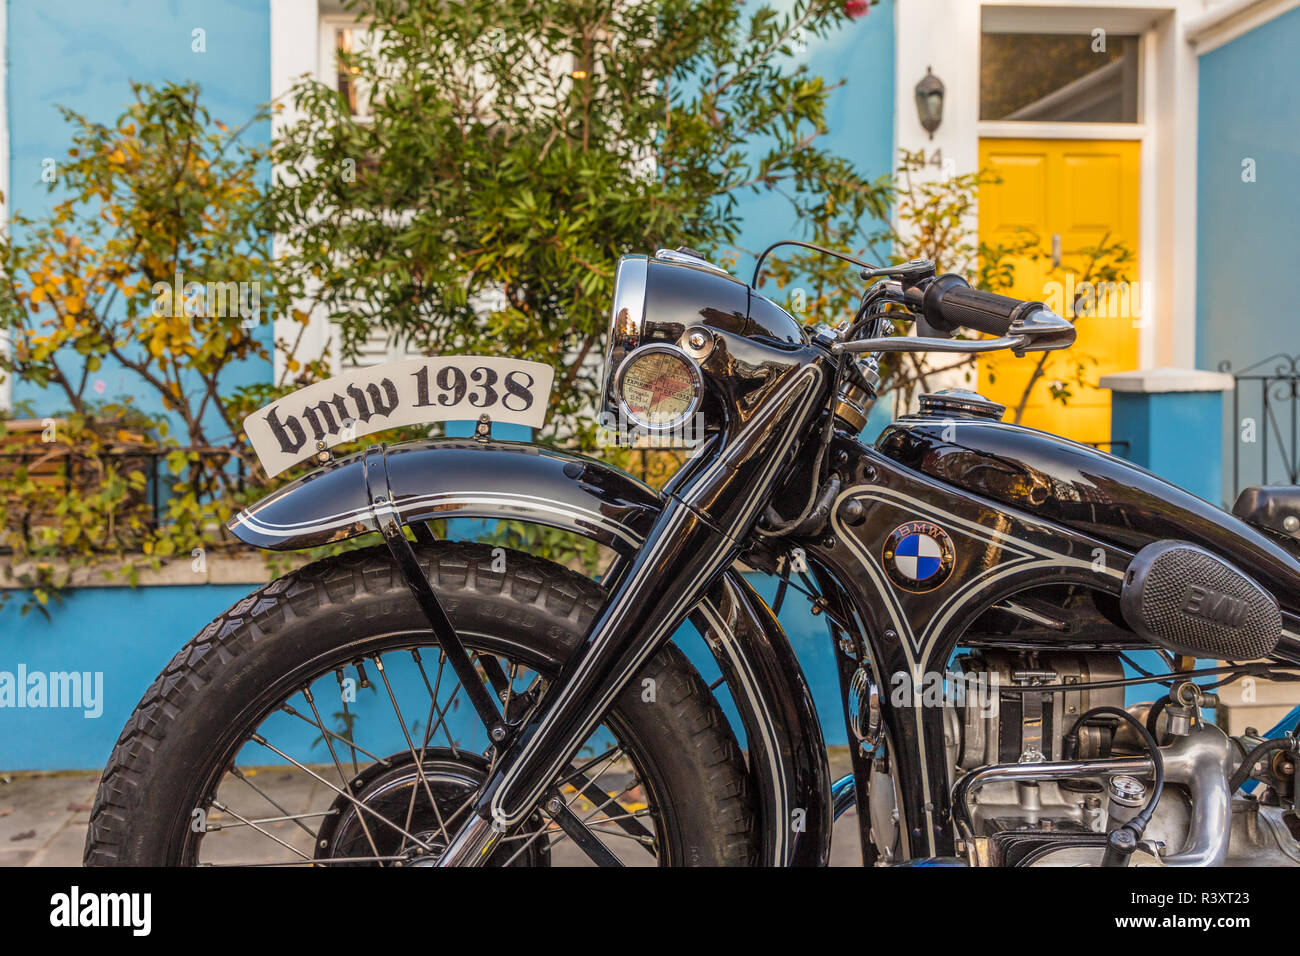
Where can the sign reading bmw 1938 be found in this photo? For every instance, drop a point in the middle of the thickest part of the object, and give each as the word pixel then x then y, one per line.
pixel 411 392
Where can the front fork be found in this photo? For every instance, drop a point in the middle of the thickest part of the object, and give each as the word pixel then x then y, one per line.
pixel 681 559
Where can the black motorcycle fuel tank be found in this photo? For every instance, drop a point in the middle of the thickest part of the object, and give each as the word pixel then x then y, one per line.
pixel 965 444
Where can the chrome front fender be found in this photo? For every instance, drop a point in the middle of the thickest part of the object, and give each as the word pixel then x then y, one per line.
pixel 452 478
pixel 448 478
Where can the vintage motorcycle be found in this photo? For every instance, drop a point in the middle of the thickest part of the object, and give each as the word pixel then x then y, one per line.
pixel 984 587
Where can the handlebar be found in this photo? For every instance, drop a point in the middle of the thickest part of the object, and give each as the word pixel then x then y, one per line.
pixel 948 302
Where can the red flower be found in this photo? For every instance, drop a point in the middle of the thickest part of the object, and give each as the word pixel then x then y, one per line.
pixel 856 8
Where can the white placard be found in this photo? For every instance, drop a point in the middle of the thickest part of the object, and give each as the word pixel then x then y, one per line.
pixel 410 392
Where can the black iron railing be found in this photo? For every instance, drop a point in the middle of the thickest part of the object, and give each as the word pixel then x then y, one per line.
pixel 1264 426
pixel 74 469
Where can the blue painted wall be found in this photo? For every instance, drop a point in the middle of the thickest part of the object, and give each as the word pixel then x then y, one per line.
pixel 82 54
pixel 1248 231
pixel 127 635
pixel 1176 435
pixel 860 117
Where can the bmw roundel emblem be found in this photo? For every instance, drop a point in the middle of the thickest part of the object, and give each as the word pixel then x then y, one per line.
pixel 918 556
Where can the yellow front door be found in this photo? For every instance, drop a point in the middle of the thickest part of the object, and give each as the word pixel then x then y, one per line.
pixel 1075 202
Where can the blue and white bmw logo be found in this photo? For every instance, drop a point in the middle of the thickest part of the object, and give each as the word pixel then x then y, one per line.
pixel 918 556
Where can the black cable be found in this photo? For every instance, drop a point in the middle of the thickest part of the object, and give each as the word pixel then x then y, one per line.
pixel 1270 671
pixel 820 602
pixel 1242 773
pixel 758 266
pixel 1138 667
pixel 780 593
pixel 1153 715
pixel 1139 822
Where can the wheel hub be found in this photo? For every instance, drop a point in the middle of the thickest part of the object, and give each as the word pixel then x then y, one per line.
pixel 399 791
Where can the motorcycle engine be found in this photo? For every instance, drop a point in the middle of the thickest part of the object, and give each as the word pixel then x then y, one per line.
pixel 994 715
pixel 1011 722
pixel 1002 719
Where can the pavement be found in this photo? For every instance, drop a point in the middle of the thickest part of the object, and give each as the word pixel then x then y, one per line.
pixel 44 816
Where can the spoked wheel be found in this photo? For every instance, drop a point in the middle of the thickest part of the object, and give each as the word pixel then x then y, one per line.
pixel 316 723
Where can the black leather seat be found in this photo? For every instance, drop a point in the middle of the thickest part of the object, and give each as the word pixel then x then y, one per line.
pixel 1273 507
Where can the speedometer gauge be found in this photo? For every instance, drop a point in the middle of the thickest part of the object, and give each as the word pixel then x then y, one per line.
pixel 658 386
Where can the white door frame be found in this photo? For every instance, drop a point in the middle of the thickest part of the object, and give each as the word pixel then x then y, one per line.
pixel 945 34
pixel 295 26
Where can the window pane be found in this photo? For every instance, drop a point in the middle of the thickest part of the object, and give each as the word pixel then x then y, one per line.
pixel 1058 78
pixel 346 85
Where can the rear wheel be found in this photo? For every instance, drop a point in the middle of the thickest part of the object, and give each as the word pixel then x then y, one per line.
pixel 317 722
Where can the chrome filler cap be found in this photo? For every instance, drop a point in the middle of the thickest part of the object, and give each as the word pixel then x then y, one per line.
pixel 960 403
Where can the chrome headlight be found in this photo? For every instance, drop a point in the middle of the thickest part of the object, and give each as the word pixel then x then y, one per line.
pixel 658 388
pixel 626 321
pixel 666 316
pixel 626 318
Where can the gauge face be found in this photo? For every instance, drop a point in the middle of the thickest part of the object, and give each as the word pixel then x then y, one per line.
pixel 659 387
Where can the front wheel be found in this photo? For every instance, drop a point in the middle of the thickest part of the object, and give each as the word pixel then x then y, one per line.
pixel 315 723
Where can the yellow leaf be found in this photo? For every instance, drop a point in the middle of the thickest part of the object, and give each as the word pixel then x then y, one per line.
pixel 117 156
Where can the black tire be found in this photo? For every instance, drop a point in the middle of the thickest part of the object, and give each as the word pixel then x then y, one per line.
pixel 217 690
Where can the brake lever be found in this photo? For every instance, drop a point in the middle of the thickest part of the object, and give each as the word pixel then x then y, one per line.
pixel 907 270
pixel 917 343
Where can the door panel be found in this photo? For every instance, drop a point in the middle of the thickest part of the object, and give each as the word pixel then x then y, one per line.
pixel 1085 192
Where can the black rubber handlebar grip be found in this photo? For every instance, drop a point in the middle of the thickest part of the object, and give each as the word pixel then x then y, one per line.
pixel 949 302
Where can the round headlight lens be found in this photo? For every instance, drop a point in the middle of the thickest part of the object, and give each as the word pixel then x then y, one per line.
pixel 658 387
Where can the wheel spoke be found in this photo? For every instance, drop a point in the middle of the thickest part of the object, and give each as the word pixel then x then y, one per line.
pixel 433 697
pixel 410 745
pixel 326 732
pixel 239 775
pixel 295 817
pixel 262 830
pixel 613 753
pixel 593 793
pixel 343 778
pixel 325 861
pixel 347 720
pixel 424 744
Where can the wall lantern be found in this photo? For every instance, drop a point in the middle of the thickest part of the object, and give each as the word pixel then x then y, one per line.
pixel 929 102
